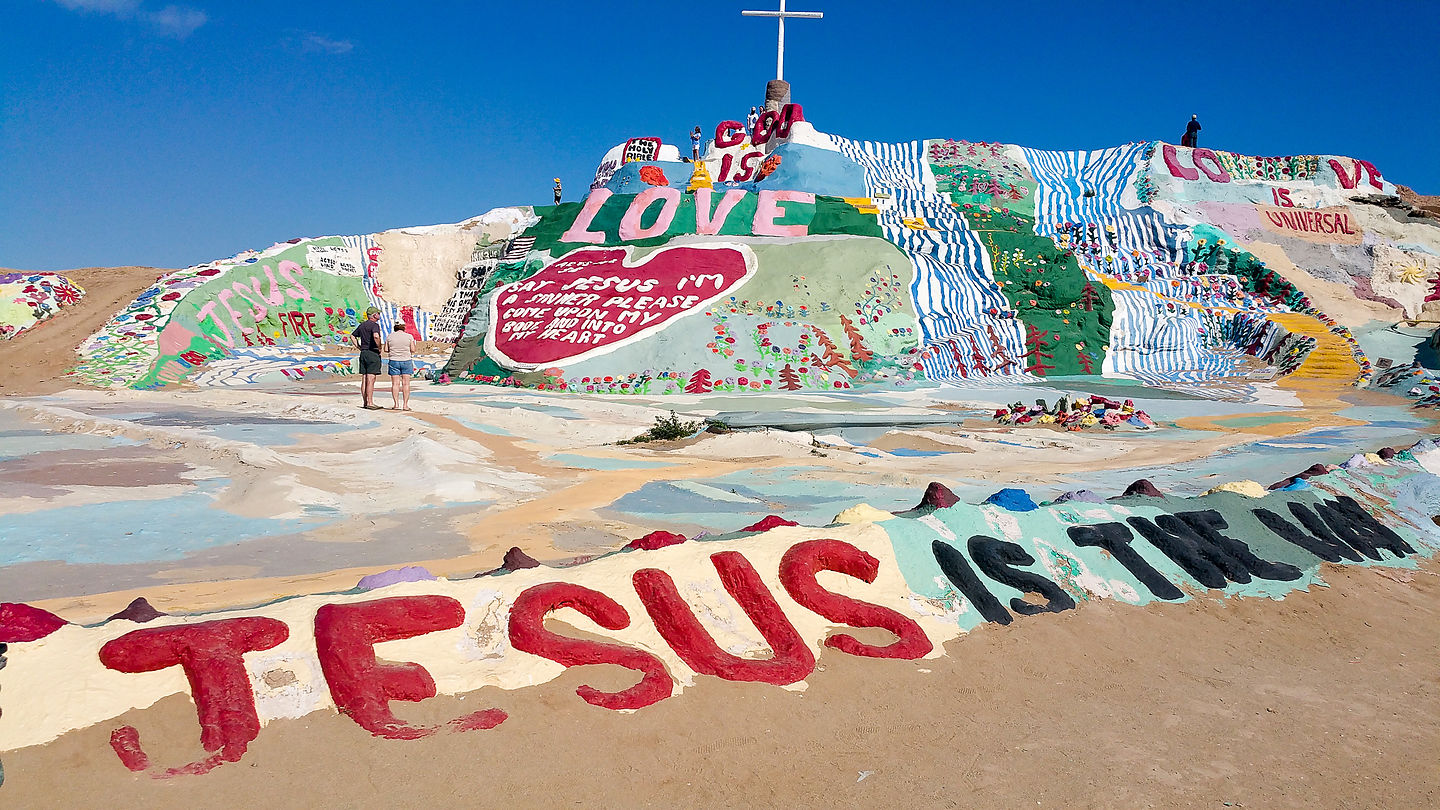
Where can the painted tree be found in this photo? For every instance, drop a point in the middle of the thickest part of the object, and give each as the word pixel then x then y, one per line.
pixel 699 382
pixel 1035 344
pixel 833 359
pixel 1089 297
pixel 997 348
pixel 1084 360
pixel 858 352
pixel 789 380
pixel 977 357
pixel 958 358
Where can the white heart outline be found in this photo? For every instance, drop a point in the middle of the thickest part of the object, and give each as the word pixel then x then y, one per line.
pixel 626 263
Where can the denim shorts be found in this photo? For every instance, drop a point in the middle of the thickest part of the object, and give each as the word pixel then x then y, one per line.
pixel 402 368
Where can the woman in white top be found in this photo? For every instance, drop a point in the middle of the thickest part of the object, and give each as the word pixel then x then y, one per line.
pixel 400 345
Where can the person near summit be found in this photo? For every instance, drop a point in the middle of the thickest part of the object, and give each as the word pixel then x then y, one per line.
pixel 751 120
pixel 557 191
pixel 400 345
pixel 695 143
pixel 367 339
pixel 1192 133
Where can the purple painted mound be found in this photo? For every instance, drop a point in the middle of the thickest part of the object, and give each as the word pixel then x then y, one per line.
pixel 408 573
pixel 1387 453
pixel 1284 482
pixel 1312 471
pixel 656 539
pixel 138 611
pixel 1143 487
pixel 1079 495
pixel 767 523
pixel 515 560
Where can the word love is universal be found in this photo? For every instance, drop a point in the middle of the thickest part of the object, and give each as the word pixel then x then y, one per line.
pixel 758 605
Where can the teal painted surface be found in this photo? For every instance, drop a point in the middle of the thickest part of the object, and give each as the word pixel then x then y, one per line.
pixel 596 463
pixel 1400 496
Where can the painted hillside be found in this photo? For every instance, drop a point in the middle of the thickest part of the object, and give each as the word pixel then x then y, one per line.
pixel 790 259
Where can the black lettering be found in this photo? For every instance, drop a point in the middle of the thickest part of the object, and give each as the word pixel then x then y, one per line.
pixel 1115 538
pixel 1208 523
pixel 1322 544
pixel 998 558
pixel 1360 529
pixel 956 569
pixel 1176 540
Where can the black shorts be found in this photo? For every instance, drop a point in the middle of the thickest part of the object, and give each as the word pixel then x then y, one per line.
pixel 369 362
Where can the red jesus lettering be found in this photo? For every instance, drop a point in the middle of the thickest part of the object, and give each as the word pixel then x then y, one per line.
pixel 362 687
pixel 797 573
pixel 528 634
pixel 211 655
pixel 677 624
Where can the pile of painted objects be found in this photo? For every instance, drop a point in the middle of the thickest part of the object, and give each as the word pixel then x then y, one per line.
pixel 1076 414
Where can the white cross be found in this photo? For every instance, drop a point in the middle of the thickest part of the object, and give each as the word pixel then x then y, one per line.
pixel 781 15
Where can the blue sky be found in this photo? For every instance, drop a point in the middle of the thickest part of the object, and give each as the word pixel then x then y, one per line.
pixel 144 132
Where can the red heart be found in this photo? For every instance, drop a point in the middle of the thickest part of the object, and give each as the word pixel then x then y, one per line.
pixel 594 300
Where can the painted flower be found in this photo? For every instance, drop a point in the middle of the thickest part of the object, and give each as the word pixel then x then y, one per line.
pixel 653 175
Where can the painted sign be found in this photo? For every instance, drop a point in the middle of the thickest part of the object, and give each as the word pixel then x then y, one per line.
pixel 595 300
pixel 753 608
pixel 1329 225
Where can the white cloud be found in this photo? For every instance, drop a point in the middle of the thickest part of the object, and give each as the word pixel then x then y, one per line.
pixel 177 21
pixel 320 42
pixel 171 21
pixel 120 8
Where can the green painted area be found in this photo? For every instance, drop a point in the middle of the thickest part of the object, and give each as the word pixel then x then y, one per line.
pixel 1257 421
pixel 277 301
pixel 982 174
pixel 1066 314
pixel 826 216
pixel 819 314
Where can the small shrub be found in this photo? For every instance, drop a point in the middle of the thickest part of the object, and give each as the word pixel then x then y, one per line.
pixel 666 429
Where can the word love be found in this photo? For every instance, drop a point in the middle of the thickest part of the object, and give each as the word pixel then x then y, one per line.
pixel 709 217
pixel 596 299
pixel 1206 162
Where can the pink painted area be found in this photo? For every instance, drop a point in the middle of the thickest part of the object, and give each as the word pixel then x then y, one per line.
pixel 1239 219
pixel 1217 174
pixel 770 209
pixel 729 133
pixel 1172 162
pixel 593 299
pixel 1351 181
pixel 707 224
pixel 20 622
pixel 580 229
pixel 630 229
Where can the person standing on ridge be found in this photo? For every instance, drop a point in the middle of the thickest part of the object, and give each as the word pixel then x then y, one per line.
pixel 557 191
pixel 400 345
pixel 367 339
pixel 695 143
pixel 751 120
pixel 1192 133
